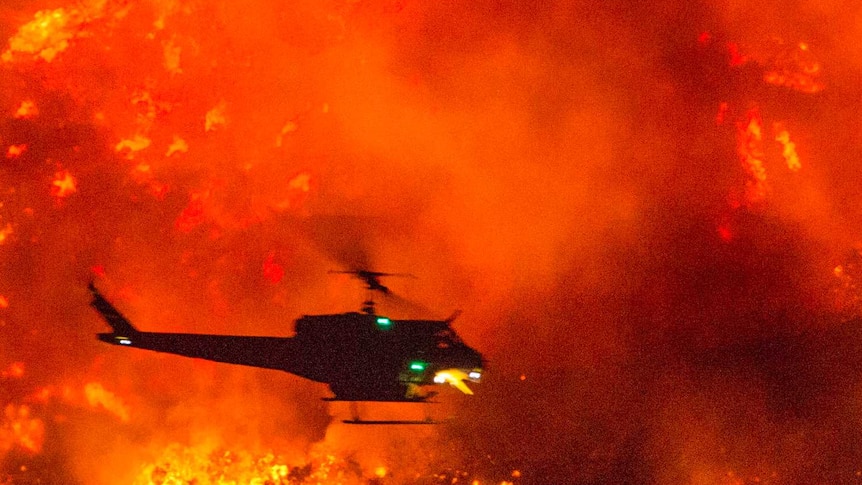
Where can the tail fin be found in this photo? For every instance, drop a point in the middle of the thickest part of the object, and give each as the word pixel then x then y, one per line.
pixel 111 315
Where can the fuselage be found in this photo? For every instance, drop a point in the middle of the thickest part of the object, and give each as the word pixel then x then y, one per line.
pixel 360 356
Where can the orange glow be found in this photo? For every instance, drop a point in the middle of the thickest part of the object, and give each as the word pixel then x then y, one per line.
pixel 288 128
pixel 14 371
pixel 193 214
pixel 5 232
pixel 796 68
pixel 736 57
pixel 15 151
pixel 98 270
pixel 27 110
pixel 749 138
pixel 132 145
pixel 63 185
pixel 45 36
pixel 216 118
pixel 179 464
pixel 725 233
pixel 19 428
pixel 788 150
pixel 272 271
pixel 43 395
pixel 602 189
pixel 172 57
pixel 99 397
pixel 722 113
pixel 177 146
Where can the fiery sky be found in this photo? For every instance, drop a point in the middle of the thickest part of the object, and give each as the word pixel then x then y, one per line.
pixel 649 215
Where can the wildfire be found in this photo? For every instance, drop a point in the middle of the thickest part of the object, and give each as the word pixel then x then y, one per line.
pixel 64 184
pixel 216 117
pixel 15 151
pixel 288 128
pixel 796 68
pixel 272 270
pixel 182 465
pixel 27 109
pixel 177 146
pixel 131 145
pixel 749 147
pixel 788 149
pixel 19 428
pixel 15 369
pixel 172 57
pixel 193 214
pixel 45 36
pixel 5 232
pixel 98 396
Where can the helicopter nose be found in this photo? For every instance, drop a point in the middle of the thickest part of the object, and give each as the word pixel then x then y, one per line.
pixel 474 367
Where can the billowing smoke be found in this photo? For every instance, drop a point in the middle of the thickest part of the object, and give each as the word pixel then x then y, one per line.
pixel 648 215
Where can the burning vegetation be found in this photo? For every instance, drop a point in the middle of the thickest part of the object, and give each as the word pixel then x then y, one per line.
pixel 649 215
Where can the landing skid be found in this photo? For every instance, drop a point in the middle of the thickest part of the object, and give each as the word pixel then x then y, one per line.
pixel 423 399
pixel 389 421
pixel 404 401
pixel 357 419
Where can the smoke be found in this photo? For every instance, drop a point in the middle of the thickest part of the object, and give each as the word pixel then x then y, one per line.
pixel 600 189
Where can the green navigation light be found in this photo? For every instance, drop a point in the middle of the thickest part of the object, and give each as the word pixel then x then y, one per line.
pixel 417 366
pixel 384 323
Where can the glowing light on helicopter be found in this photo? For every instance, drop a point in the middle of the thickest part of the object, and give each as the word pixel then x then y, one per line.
pixel 418 366
pixel 384 324
pixel 454 378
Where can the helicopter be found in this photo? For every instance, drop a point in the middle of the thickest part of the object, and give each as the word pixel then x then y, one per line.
pixel 362 356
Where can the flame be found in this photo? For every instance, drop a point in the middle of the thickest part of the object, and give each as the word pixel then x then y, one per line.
pixel 177 146
pixel 15 151
pixel 172 56
pixel 191 128
pixel 45 36
pixel 288 128
pixel 796 68
pixel 27 110
pixel 272 270
pixel 98 396
pixel 15 369
pixel 201 464
pixel 5 232
pixel 135 144
pixel 788 150
pixel 736 57
pixel 216 117
pixel 19 428
pixel 64 184
pixel 749 138
pixel 193 214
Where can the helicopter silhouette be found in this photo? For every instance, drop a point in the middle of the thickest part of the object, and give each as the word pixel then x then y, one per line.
pixel 362 356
